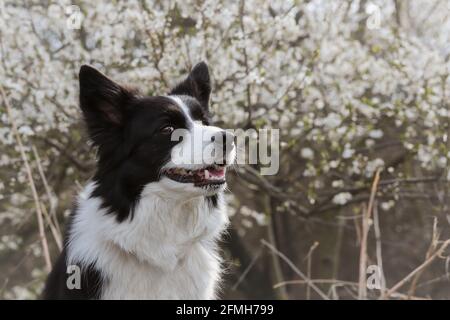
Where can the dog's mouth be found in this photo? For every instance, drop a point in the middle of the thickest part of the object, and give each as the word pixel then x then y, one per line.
pixel 211 175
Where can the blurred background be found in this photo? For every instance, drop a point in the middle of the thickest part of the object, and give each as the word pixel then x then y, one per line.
pixel 359 90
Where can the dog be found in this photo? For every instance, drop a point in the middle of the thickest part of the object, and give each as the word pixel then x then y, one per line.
pixel 147 224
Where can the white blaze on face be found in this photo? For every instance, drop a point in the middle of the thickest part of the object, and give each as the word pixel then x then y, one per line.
pixel 201 145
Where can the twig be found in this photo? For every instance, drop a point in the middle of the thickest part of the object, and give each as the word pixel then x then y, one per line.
pixel 434 280
pixel 320 281
pixel 246 271
pixel 50 196
pixel 56 236
pixel 39 214
pixel 277 271
pixel 418 269
pixel 295 269
pixel 431 249
pixel 357 226
pixel 377 230
pixel 309 265
pixel 362 290
pixel 251 175
pixel 342 283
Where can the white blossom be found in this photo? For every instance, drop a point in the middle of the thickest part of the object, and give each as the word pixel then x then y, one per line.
pixel 342 198
pixel 307 153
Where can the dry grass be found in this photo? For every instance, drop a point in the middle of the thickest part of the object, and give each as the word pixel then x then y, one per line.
pixel 436 250
pixel 37 200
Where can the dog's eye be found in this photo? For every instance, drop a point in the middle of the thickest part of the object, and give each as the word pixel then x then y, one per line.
pixel 167 129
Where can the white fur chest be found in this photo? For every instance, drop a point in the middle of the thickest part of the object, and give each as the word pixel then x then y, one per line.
pixel 194 277
pixel 167 251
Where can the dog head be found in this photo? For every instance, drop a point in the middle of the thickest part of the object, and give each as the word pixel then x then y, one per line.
pixel 167 141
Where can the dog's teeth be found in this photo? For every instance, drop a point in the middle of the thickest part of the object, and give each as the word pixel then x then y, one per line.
pixel 206 174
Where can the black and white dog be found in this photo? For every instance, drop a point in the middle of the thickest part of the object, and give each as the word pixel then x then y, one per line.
pixel 147 224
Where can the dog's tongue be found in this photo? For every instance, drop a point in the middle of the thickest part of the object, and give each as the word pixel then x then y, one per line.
pixel 213 173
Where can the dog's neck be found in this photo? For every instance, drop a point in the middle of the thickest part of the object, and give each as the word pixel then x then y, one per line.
pixel 161 232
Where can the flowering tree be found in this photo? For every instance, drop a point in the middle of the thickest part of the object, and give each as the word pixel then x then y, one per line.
pixel 355 87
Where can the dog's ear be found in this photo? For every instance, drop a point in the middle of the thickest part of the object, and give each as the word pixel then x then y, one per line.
pixel 102 101
pixel 197 84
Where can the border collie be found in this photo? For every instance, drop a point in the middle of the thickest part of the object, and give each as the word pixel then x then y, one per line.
pixel 146 225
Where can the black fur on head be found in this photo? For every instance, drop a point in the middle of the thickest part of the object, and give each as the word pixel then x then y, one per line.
pixel 128 131
pixel 197 85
